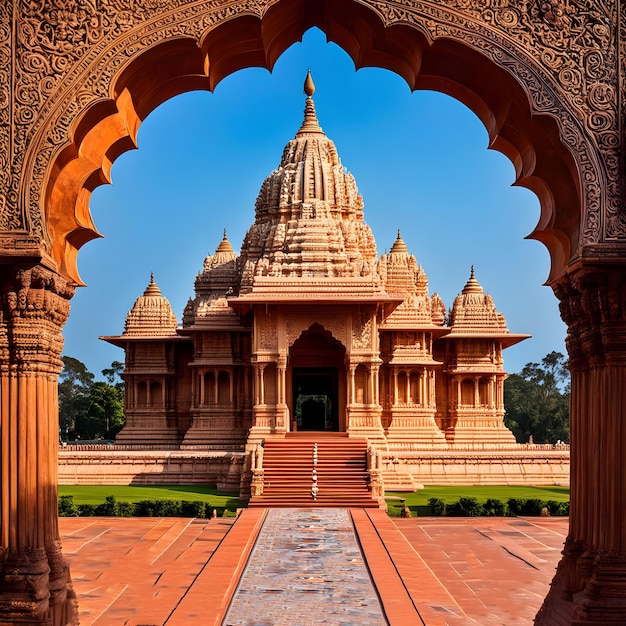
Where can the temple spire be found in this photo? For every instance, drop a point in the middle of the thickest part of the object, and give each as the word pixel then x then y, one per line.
pixel 310 123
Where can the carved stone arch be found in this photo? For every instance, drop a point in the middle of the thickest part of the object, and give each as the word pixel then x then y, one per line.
pixel 545 78
pixel 333 331
pixel 499 61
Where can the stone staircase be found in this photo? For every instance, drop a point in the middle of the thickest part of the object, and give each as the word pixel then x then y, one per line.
pixel 341 468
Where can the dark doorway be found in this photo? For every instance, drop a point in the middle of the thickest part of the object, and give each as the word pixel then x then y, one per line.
pixel 315 398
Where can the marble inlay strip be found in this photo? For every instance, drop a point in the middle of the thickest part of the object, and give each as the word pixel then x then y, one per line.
pixel 306 568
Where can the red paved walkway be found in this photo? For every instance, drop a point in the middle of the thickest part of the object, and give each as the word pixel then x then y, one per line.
pixel 487 571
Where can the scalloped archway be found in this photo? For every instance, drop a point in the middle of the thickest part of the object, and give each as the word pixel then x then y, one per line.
pixel 108 128
pixel 544 79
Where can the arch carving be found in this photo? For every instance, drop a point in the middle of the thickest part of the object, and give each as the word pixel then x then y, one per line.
pixel 546 78
pixel 72 70
pixel 336 328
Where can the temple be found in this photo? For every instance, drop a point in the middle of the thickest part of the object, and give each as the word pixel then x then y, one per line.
pixel 307 329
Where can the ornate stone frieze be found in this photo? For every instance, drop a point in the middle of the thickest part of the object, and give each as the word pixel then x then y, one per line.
pixel 268 339
pixel 361 332
pixel 67 53
pixel 8 220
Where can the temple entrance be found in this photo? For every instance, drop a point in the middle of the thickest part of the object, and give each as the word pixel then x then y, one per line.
pixel 315 399
pixel 316 382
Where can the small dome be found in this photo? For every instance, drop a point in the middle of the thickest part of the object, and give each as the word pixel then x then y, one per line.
pixel 472 285
pixel 399 247
pixel 224 253
pixel 151 315
pixel 473 311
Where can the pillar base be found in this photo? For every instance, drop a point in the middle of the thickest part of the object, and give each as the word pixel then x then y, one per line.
pixel 29 596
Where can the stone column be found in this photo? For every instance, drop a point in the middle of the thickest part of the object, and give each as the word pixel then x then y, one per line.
pixel 395 386
pixel 352 383
pixel 202 398
pixel 590 584
pixel 35 586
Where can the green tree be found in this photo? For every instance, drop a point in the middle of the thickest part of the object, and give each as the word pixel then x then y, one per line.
pixel 105 417
pixel 75 383
pixel 90 409
pixel 537 400
pixel 114 372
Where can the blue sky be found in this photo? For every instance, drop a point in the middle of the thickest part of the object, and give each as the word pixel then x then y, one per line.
pixel 420 161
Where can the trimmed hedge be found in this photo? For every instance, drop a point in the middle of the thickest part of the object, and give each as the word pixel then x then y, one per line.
pixel 143 508
pixel 470 507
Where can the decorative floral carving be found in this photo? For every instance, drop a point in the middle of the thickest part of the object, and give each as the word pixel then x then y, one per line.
pixel 362 332
pixel 336 327
pixel 268 339
pixel 590 301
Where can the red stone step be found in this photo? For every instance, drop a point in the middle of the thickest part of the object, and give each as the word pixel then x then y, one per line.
pixel 341 470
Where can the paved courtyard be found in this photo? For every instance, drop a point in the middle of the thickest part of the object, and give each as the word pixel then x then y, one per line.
pixel 146 571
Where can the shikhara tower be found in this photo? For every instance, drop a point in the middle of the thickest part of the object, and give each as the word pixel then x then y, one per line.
pixel 308 329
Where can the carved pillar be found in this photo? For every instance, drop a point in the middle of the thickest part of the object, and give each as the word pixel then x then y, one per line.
pixel 201 401
pixel 35 587
pixel 352 383
pixel 590 584
pixel 395 386
pixel 259 390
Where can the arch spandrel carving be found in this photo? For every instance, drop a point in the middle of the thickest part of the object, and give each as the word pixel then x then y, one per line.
pixel 563 55
pixel 69 61
pixel 334 326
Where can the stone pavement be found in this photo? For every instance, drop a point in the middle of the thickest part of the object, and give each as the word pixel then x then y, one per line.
pixel 480 571
pixel 306 568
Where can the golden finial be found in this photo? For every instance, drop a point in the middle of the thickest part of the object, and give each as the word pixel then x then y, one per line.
pixel 309 85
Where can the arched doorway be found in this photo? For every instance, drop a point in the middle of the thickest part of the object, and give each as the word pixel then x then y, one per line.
pixel 545 81
pixel 317 380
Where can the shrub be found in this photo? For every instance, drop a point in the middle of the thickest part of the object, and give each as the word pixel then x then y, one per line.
pixel 465 507
pixel 193 508
pixel 532 506
pixel 554 507
pixel 145 508
pixel 86 510
pixel 108 508
pixel 437 506
pixel 67 507
pixel 167 508
pixel 494 507
pixel 515 505
pixel 125 509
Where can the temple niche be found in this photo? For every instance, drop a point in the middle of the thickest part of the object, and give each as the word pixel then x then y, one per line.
pixel 308 329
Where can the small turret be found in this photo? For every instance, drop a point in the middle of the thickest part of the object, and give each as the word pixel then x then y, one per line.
pixel 151 314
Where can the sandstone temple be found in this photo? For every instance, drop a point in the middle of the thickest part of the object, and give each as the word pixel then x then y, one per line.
pixel 309 330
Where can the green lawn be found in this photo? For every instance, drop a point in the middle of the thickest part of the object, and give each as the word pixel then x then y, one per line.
pixel 96 494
